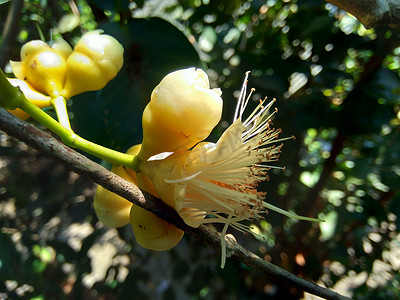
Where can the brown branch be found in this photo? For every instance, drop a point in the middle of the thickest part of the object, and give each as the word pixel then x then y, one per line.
pixel 372 13
pixel 84 166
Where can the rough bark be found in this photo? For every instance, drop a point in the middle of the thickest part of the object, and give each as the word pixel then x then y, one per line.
pixel 372 13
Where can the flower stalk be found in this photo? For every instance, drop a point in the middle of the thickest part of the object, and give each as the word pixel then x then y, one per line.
pixel 60 105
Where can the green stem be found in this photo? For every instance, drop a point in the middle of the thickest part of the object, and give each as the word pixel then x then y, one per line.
pixel 60 105
pixel 73 140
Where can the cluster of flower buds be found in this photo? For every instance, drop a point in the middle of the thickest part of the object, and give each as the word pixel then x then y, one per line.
pixel 59 70
pixel 96 59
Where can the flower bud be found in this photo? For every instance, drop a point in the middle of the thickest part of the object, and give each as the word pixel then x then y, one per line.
pixel 97 58
pixel 42 66
pixel 152 232
pixel 110 208
pixel 35 97
pixel 182 111
pixel 62 47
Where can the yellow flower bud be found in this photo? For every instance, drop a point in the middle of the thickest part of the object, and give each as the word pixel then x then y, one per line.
pixel 44 67
pixel 182 111
pixel 97 58
pixel 62 48
pixel 111 209
pixel 35 97
pixel 152 232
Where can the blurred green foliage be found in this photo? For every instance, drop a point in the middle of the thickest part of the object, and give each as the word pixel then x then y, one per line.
pixel 337 86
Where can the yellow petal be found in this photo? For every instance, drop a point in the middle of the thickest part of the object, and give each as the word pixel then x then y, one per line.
pixel 83 75
pixel 17 69
pixel 112 209
pixel 62 47
pixel 33 47
pixel 102 48
pixel 97 58
pixel 182 111
pixel 31 94
pixel 152 232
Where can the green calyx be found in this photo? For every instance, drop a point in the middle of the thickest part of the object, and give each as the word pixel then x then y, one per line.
pixel 10 97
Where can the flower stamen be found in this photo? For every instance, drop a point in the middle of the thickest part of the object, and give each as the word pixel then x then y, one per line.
pixel 218 182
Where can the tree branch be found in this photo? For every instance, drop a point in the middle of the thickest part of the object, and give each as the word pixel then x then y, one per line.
pixel 84 166
pixel 372 13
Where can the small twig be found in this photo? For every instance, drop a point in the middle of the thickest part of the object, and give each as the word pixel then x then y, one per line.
pixel 10 30
pixel 84 166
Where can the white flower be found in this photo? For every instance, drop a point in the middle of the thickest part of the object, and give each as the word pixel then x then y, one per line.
pixel 217 183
